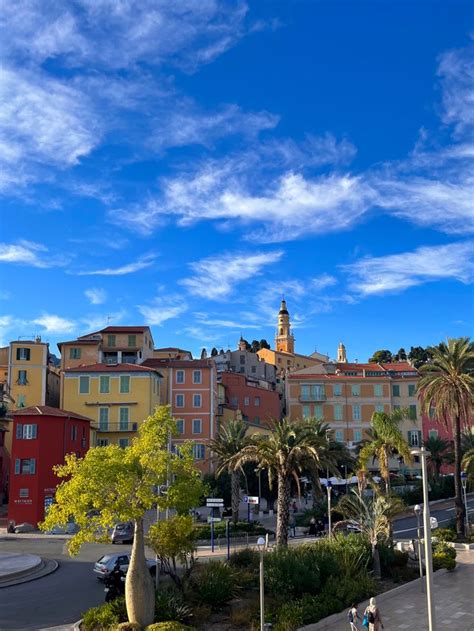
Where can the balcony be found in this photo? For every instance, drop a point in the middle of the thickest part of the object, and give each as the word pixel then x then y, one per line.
pixel 117 427
pixel 312 396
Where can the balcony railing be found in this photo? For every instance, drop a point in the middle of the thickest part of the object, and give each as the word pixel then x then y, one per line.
pixel 313 396
pixel 118 427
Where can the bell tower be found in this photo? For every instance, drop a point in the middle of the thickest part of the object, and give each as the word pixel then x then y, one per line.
pixel 284 340
pixel 341 354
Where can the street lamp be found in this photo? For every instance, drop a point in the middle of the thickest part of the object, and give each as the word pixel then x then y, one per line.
pixel 261 548
pixel 329 488
pixel 464 477
pixel 423 454
pixel 417 510
pixel 259 471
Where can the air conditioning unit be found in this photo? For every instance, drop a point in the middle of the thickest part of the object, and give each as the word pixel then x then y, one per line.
pixel 134 427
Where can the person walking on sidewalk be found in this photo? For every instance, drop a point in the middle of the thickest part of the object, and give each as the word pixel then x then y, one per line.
pixel 292 525
pixel 353 617
pixel 372 614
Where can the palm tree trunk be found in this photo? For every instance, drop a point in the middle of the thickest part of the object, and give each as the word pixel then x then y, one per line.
pixel 458 503
pixel 283 507
pixel 139 596
pixel 376 561
pixel 235 490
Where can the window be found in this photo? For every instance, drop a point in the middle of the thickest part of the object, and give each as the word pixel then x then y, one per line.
pixel 197 426
pixel 412 412
pixel 411 389
pixel 199 452
pixel 102 442
pixel 379 407
pixel 357 435
pixel 254 369
pixel 180 376
pixel 196 376
pixel 256 420
pixel 22 380
pixel 339 435
pixel 104 384
pixel 124 384
pixel 103 419
pixel 378 390
pixel 305 392
pixel 84 385
pixel 21 401
pixel 242 369
pixel 433 433
pixel 318 412
pixel 337 390
pixel 23 354
pixel 132 340
pixel 234 402
pixel 356 412
pixel 318 393
pixel 246 400
pixel 123 442
pixel 124 417
pixel 74 353
pixel 242 360
pixel 306 411
pixel 338 412
pixel 180 400
pixel 73 432
pixel 396 407
pixel 257 401
pixel 24 493
pixel 26 432
pixel 180 425
pixel 110 340
pixel 26 466
pixel 355 390
pixel 196 400
pixel 396 391
pixel 414 438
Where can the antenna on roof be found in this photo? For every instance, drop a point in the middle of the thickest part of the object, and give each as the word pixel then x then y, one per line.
pixel 109 318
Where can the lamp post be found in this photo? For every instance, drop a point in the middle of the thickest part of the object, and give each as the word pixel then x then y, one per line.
pixel 261 548
pixel 328 489
pixel 464 488
pixel 417 510
pixel 423 454
pixel 259 472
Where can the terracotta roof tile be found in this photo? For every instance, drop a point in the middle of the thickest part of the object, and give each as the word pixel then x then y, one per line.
pixel 112 368
pixel 47 410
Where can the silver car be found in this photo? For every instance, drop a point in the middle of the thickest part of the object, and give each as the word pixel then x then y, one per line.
pixel 123 533
pixel 106 564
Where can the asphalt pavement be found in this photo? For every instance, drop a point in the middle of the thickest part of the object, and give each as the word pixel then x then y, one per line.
pixel 405 527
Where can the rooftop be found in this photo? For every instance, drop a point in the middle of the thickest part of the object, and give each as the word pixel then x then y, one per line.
pixel 47 410
pixel 112 368
pixel 178 363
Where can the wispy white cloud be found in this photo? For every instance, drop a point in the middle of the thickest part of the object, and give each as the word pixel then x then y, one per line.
pixel 130 268
pixel 162 309
pixel 215 277
pixel 96 296
pixel 98 321
pixel 29 253
pixel 379 275
pixel 456 71
pixel 212 321
pixel 55 324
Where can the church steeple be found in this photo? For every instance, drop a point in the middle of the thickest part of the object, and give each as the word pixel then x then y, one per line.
pixel 341 354
pixel 284 340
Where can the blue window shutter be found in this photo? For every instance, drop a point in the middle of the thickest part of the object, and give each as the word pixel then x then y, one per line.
pixel 17 465
pixel 34 431
pixel 19 430
pixel 33 465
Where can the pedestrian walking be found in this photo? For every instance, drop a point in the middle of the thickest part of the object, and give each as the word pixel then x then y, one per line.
pixel 373 617
pixel 295 507
pixel 312 527
pixel 292 525
pixel 353 617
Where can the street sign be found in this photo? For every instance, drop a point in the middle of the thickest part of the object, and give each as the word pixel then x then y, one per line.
pixel 251 499
pixel 214 501
pixel 213 520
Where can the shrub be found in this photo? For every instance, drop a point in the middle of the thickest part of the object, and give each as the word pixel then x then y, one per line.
pixel 104 616
pixel 391 559
pixel 443 560
pixel 441 547
pixel 318 512
pixel 289 617
pixel 445 534
pixel 168 626
pixel 292 573
pixel 349 589
pixel 216 584
pixel 170 605
pixel 203 531
pixel 128 626
pixel 245 559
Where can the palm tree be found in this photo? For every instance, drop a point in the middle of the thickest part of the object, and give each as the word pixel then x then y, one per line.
pixel 468 463
pixel 373 515
pixel 230 440
pixel 290 448
pixel 385 440
pixel 439 453
pixel 446 390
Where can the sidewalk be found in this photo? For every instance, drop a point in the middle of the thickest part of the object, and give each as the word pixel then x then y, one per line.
pixel 405 608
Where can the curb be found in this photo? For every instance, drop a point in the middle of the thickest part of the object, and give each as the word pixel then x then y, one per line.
pixel 18 574
pixel 48 567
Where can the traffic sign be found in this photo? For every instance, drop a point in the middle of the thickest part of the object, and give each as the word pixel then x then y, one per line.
pixel 214 501
pixel 212 520
pixel 251 499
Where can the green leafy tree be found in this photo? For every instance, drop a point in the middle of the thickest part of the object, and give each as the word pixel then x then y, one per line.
pixel 373 515
pixel 230 440
pixel 446 390
pixel 419 356
pixel 381 357
pixel 290 448
pixel 111 485
pixel 401 356
pixel 214 351
pixel 440 453
pixel 385 440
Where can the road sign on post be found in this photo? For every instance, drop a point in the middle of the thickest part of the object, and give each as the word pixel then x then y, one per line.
pixel 217 502
pixel 251 499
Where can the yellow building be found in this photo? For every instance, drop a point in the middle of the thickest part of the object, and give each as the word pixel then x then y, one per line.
pixel 116 397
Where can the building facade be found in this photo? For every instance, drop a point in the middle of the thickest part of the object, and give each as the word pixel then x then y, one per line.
pixel 244 362
pixel 117 398
pixel 257 405
pixel 42 436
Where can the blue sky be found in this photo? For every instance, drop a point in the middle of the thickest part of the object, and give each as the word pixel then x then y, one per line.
pixel 185 164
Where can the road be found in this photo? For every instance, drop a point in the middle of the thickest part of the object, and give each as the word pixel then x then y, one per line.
pixel 405 527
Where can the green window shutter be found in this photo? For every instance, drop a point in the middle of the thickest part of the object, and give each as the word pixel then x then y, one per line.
pixel 32 466
pixel 104 386
pixel 17 466
pixel 84 385
pixel 124 384
pixel 19 430
pixel 412 412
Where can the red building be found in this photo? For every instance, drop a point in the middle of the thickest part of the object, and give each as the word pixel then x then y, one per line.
pixel 42 436
pixel 4 462
pixel 257 403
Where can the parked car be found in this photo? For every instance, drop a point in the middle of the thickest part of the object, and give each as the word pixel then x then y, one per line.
pixel 70 528
pixel 123 533
pixel 23 528
pixel 106 564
